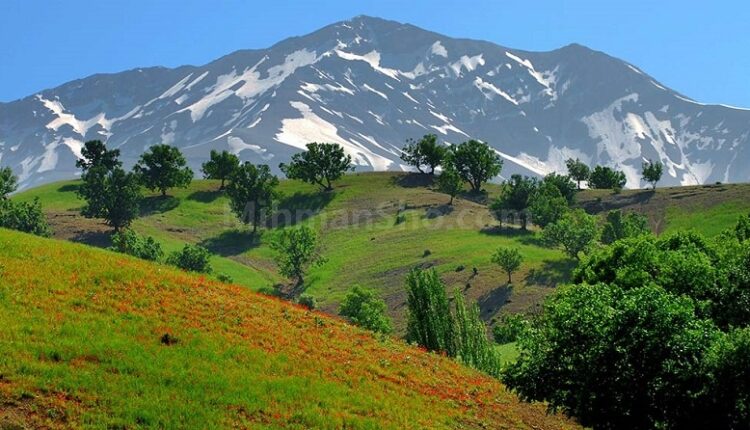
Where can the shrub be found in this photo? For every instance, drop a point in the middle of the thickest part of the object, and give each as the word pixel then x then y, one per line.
pixel 364 308
pixel 223 277
pixel 24 216
pixel 308 301
pixel 193 258
pixel 509 329
pixel 129 242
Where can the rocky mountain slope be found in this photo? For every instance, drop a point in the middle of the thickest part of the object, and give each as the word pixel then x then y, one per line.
pixel 368 84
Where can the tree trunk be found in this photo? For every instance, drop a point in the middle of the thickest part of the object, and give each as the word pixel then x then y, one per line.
pixel 450 203
pixel 221 187
pixel 510 280
pixel 164 192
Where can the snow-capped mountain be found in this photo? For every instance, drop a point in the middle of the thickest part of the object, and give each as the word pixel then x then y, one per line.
pixel 369 84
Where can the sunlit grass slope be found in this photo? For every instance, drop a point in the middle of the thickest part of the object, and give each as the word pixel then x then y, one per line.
pixel 83 345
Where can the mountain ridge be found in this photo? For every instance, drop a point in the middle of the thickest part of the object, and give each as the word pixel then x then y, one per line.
pixel 368 84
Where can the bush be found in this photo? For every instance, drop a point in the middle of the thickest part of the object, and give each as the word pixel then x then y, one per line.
pixel 193 258
pixel 509 329
pixel 364 308
pixel 129 242
pixel 308 301
pixel 24 216
pixel 223 277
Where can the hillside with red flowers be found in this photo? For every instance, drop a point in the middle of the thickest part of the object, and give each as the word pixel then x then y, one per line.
pixel 90 338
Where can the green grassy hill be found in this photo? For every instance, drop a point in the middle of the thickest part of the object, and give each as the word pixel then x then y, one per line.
pixel 376 226
pixel 95 339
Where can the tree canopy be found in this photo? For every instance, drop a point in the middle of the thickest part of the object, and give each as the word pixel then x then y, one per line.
pixel 424 152
pixel 575 232
pixel 251 191
pixel 8 182
pixel 321 164
pixel 220 166
pixel 364 308
pixel 603 177
pixel 95 153
pixel 163 167
pixel 578 171
pixel 476 163
pixel 652 171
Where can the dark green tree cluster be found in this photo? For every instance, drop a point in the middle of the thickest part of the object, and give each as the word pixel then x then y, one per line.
pixel 163 167
pixel 457 332
pixel 619 225
pixel 654 333
pixel 364 308
pixel 192 258
pixel 252 191
pixel 131 243
pixel 22 216
pixel 220 166
pixel 606 178
pixel 545 201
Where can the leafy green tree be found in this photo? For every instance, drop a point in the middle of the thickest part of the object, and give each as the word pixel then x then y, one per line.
pixel 476 163
pixel 321 164
pixel 163 167
pixel 617 359
pixel 429 321
pixel 27 217
pixel 296 250
pixel 220 166
pixel 129 242
pixel 8 182
pixel 515 197
pixel 607 178
pixel 564 185
pixel 472 347
pixel 620 225
pixel 193 258
pixel 251 191
pixel 578 170
pixel 652 171
pixel 450 182
pixel 547 205
pixel 95 153
pixel 575 232
pixel 424 152
pixel 364 308
pixel 114 195
pixel 728 366
pixel 509 259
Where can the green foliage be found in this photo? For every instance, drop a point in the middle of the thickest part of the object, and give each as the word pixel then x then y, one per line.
pixel 547 205
pixel 8 182
pixel 607 178
pixel 578 171
pixel 225 278
pixel 742 228
pixel 727 365
pixel 251 191
pixel 472 347
pixel 296 250
pixel 307 301
pixel 652 172
pixel 564 185
pixel 575 232
pixel 129 242
pixel 617 359
pixel 364 308
pixel 509 259
pixel 515 197
pixel 450 182
pixel 163 167
pixel 429 321
pixel 321 164
pixel 96 154
pixel 476 163
pixel 424 152
pixel 113 195
pixel 619 226
pixel 221 166
pixel 509 329
pixel 27 217
pixel 193 258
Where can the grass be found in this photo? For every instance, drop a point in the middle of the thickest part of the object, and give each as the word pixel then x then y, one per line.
pixel 82 345
pixel 375 227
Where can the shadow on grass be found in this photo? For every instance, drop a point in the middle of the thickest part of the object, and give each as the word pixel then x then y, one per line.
pixel 413 180
pixel 552 273
pixel 232 242
pixel 491 302
pixel 99 239
pixel 298 207
pixel 69 188
pixel 526 237
pixel 158 204
pixel 205 196
pixel 479 197
pixel 438 211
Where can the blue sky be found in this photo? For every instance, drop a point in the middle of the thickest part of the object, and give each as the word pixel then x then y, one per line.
pixel 701 49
